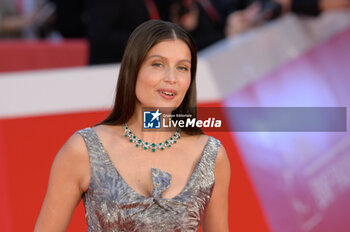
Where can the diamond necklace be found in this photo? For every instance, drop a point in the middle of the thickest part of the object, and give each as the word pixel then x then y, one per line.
pixel 146 145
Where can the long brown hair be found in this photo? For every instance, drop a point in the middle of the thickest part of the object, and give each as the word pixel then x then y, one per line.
pixel 142 39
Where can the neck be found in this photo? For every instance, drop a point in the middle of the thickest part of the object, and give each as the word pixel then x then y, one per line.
pixel 135 124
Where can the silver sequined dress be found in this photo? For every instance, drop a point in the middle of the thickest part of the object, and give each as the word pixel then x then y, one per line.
pixel 112 205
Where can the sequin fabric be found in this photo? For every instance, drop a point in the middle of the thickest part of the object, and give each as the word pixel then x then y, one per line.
pixel 112 205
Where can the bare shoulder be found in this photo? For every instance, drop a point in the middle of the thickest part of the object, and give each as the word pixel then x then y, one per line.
pixel 222 163
pixel 74 147
pixel 222 154
pixel 73 160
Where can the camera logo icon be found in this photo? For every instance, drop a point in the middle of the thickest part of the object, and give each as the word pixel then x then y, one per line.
pixel 151 119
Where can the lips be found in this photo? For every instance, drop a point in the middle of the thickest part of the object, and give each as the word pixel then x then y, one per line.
pixel 167 93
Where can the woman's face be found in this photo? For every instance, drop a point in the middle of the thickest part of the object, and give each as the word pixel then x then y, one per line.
pixel 165 75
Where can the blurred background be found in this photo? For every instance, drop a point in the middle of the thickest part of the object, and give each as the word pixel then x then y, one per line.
pixel 59 63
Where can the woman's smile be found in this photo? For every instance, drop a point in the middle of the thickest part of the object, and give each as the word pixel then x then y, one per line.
pixel 167 94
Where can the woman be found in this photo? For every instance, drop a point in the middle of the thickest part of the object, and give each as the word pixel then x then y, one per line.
pixel 125 186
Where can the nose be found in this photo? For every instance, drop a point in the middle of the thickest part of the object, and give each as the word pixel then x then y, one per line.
pixel 170 76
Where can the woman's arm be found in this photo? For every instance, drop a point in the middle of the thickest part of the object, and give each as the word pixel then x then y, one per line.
pixel 216 215
pixel 68 177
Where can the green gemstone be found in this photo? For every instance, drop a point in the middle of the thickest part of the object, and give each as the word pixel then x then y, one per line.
pixel 152 146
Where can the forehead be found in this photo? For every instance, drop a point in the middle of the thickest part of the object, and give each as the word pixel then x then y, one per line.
pixel 171 49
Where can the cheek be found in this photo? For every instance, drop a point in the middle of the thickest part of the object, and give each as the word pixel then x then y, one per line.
pixel 144 86
pixel 186 82
pixel 141 88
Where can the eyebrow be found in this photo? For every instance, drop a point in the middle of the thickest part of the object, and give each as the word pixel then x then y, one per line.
pixel 162 57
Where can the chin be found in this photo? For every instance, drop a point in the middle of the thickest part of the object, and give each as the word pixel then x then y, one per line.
pixel 165 107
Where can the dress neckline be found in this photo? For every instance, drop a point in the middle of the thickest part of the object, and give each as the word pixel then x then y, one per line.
pixel 189 181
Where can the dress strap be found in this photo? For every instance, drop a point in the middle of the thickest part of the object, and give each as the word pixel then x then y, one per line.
pixel 94 146
pixel 212 151
pixel 207 165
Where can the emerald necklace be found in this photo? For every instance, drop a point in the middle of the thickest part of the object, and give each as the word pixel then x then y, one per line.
pixel 153 146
